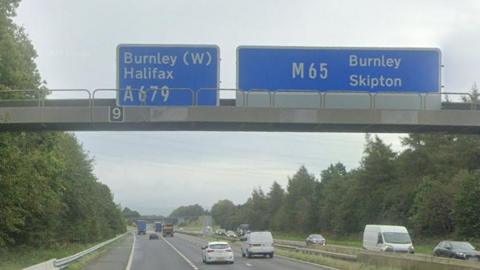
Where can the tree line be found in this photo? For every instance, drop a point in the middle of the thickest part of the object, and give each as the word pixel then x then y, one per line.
pixel 432 186
pixel 48 192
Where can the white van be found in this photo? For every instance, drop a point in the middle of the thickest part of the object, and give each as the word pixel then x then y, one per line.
pixel 387 238
pixel 257 243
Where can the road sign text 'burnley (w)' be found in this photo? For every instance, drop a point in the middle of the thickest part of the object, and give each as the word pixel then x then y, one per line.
pixel 167 75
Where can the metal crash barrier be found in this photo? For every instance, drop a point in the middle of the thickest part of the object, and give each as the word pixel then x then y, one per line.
pixel 55 264
pixel 260 98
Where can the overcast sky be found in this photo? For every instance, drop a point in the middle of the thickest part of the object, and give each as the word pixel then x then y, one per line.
pixel 154 172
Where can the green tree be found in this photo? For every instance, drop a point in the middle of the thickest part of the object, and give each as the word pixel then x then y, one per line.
pixel 333 173
pixel 331 195
pixel 377 171
pixel 223 212
pixel 432 211
pixel 31 190
pixel 48 192
pixel 473 95
pixel 130 215
pixel 298 201
pixel 259 210
pixel 7 8
pixel 348 219
pixel 442 155
pixel 189 212
pixel 275 200
pixel 467 203
pixel 17 66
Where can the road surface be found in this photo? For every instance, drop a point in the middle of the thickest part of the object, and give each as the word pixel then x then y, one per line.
pixel 183 252
pixel 115 258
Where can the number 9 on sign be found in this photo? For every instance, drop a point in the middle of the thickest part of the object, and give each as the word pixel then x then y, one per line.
pixel 116 114
pixel 165 92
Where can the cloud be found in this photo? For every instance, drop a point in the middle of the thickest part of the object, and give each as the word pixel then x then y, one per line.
pixel 461 56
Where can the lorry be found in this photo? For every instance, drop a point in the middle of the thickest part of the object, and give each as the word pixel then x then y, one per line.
pixel 167 230
pixel 158 227
pixel 141 227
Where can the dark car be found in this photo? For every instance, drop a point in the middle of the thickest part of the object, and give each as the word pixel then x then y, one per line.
pixel 456 249
pixel 315 239
pixel 153 236
pixel 243 229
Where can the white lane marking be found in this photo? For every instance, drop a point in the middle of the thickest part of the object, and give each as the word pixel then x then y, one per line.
pixel 304 262
pixel 130 259
pixel 181 255
pixel 249 265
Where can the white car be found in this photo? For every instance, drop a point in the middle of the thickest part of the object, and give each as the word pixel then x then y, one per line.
pixel 217 252
pixel 257 243
pixel 231 234
pixel 220 232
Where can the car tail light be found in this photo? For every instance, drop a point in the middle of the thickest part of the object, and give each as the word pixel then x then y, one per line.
pixel 210 250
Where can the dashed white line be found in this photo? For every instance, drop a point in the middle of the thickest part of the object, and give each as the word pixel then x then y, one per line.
pixel 130 259
pixel 181 255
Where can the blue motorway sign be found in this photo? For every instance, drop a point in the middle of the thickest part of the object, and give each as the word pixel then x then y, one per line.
pixel 338 69
pixel 164 75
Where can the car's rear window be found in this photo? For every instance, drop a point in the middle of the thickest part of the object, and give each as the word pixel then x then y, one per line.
pixel 462 245
pixel 219 246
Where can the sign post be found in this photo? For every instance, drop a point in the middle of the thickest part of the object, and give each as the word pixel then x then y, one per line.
pixel 339 69
pixel 167 75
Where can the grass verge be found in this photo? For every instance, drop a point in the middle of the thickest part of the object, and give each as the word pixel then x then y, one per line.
pixel 349 240
pixel 84 261
pixel 422 245
pixel 335 263
pixel 21 257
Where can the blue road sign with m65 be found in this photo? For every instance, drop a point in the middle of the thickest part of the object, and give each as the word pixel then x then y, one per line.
pixel 339 69
pixel 167 75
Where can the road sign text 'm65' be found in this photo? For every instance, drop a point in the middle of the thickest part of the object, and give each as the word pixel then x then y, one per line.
pixel 339 69
pixel 167 75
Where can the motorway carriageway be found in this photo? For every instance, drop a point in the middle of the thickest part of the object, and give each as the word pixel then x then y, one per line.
pixel 183 252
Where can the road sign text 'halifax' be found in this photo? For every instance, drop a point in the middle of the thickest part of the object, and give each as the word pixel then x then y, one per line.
pixel 339 69
pixel 167 75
